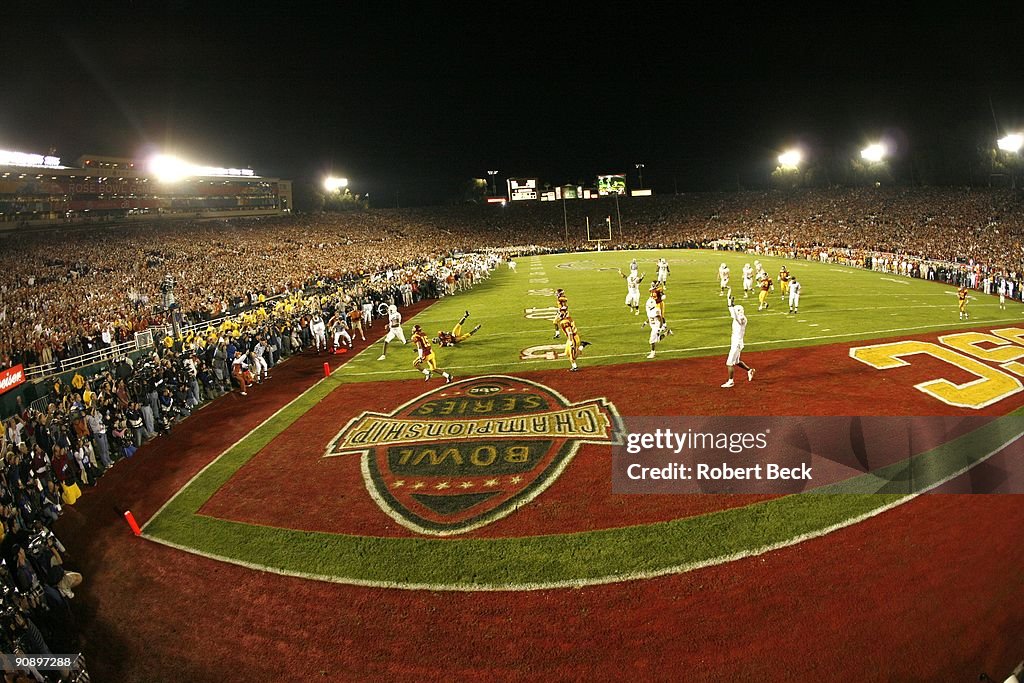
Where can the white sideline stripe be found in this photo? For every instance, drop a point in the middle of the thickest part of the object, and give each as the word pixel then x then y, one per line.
pixel 942 326
pixel 600 580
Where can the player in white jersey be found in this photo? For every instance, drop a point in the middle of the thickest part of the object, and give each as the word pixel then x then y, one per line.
pixel 759 271
pixel 794 295
pixel 633 281
pixel 748 280
pixel 723 279
pixel 1002 294
pixel 656 322
pixel 512 264
pixel 318 329
pixel 395 330
pixel 739 331
pixel 663 270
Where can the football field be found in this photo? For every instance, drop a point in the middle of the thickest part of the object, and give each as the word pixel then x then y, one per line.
pixel 383 507
pixel 516 309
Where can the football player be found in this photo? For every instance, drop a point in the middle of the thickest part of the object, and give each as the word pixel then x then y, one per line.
pixel 573 344
pixel 657 323
pixel 395 330
pixel 658 294
pixel 563 302
pixel 633 281
pixel 739 331
pixel 762 297
pixel 425 356
pixel 723 279
pixel 455 336
pixel 784 281
pixel 794 295
pixel 748 280
pixel 961 295
pixel 663 270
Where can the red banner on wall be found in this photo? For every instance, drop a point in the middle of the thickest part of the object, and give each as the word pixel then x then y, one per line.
pixel 11 378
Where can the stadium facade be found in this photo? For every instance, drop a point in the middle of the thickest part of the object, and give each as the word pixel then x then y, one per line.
pixel 39 190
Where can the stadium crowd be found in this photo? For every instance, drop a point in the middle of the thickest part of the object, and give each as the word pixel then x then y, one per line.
pixel 253 292
pixel 64 295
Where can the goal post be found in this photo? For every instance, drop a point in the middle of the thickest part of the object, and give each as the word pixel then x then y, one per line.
pixel 601 232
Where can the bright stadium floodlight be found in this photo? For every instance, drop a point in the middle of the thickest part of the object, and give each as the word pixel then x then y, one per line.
pixel 168 169
pixel 1011 143
pixel 791 158
pixel 333 184
pixel 873 153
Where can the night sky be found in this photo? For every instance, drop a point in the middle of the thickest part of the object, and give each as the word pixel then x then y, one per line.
pixel 396 95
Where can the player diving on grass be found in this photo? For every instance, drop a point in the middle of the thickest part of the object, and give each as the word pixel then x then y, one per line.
pixel 425 356
pixel 573 344
pixel 456 336
pixel 633 281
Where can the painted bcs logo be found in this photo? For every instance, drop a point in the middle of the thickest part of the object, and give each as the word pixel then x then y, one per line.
pixel 472 452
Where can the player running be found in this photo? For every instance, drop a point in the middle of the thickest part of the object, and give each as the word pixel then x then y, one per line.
pixel 455 336
pixel 961 295
pixel 739 331
pixel 748 280
pixel 723 279
pixel 633 281
pixel 562 301
pixel 425 355
pixel 573 344
pixel 395 330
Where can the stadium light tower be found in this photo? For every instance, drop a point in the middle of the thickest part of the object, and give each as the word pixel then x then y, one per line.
pixel 334 184
pixel 1011 144
pixel 791 158
pixel 494 185
pixel 873 153
pixel 640 171
pixel 168 169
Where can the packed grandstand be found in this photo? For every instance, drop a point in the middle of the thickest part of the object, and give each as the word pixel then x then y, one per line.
pixel 249 287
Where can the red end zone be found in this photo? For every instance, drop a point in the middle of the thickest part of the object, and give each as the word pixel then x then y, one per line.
pixel 291 484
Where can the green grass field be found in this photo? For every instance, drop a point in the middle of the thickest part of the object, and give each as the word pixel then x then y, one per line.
pixel 837 304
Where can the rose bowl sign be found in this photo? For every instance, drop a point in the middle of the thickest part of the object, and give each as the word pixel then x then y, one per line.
pixel 472 452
